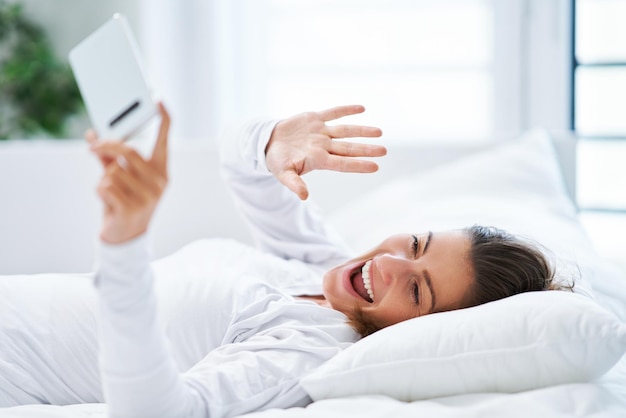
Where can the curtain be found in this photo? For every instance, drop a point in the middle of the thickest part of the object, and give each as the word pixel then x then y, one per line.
pixel 178 41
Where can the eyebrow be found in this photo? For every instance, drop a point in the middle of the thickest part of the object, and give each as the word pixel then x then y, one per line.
pixel 430 288
pixel 427 276
pixel 430 236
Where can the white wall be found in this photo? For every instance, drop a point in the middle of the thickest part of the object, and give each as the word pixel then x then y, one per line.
pixel 50 212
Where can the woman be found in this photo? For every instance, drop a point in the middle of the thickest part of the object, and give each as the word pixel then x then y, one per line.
pixel 223 340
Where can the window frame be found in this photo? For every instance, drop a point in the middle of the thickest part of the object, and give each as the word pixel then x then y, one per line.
pixel 576 65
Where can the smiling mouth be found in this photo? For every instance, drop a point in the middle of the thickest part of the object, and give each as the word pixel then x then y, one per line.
pixel 360 280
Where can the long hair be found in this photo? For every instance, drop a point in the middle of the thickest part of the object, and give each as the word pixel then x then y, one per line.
pixel 504 265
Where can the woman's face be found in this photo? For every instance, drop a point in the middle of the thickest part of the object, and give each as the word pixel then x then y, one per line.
pixel 404 277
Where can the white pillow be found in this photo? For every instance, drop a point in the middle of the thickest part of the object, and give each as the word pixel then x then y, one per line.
pixel 523 342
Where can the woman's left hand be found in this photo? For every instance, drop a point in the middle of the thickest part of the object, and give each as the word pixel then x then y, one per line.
pixel 131 185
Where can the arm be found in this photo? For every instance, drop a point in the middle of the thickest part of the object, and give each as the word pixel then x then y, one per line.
pixel 263 164
pixel 139 376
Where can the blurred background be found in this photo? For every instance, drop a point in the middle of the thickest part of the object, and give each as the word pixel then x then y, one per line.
pixel 451 74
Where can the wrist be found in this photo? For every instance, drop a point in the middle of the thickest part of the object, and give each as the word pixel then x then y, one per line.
pixel 266 139
pixel 273 135
pixel 121 236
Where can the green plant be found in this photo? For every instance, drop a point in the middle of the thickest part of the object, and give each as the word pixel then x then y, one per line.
pixel 37 91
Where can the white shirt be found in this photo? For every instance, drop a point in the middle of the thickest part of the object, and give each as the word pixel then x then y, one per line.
pixel 205 332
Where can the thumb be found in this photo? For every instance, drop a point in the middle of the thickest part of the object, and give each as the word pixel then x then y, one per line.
pixel 294 183
pixel 159 153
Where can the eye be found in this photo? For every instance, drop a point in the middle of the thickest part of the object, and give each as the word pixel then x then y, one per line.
pixel 415 246
pixel 416 293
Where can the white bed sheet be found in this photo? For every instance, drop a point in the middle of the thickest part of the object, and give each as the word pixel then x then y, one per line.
pixel 93 410
pixel 603 399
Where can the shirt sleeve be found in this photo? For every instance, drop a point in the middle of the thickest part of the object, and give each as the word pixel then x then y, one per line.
pixel 139 376
pixel 281 223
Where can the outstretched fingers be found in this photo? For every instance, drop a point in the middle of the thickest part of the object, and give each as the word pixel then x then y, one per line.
pixel 340 111
pixel 354 149
pixel 349 165
pixel 353 131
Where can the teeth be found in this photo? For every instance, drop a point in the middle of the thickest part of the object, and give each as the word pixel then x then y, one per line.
pixel 365 272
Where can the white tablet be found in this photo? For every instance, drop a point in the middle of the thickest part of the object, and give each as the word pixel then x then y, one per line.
pixel 111 80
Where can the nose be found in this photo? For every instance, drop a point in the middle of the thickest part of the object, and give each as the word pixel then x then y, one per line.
pixel 392 268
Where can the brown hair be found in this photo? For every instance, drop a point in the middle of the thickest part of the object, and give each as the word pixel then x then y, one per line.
pixel 504 265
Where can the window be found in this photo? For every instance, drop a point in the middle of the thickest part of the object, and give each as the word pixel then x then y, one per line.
pixel 599 115
pixel 425 69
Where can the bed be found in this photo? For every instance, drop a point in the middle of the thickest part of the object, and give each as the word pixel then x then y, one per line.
pixel 552 354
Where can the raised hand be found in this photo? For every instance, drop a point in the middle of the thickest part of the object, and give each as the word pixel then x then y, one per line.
pixel 131 185
pixel 304 143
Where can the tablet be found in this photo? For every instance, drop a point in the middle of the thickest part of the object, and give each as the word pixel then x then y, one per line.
pixel 111 80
